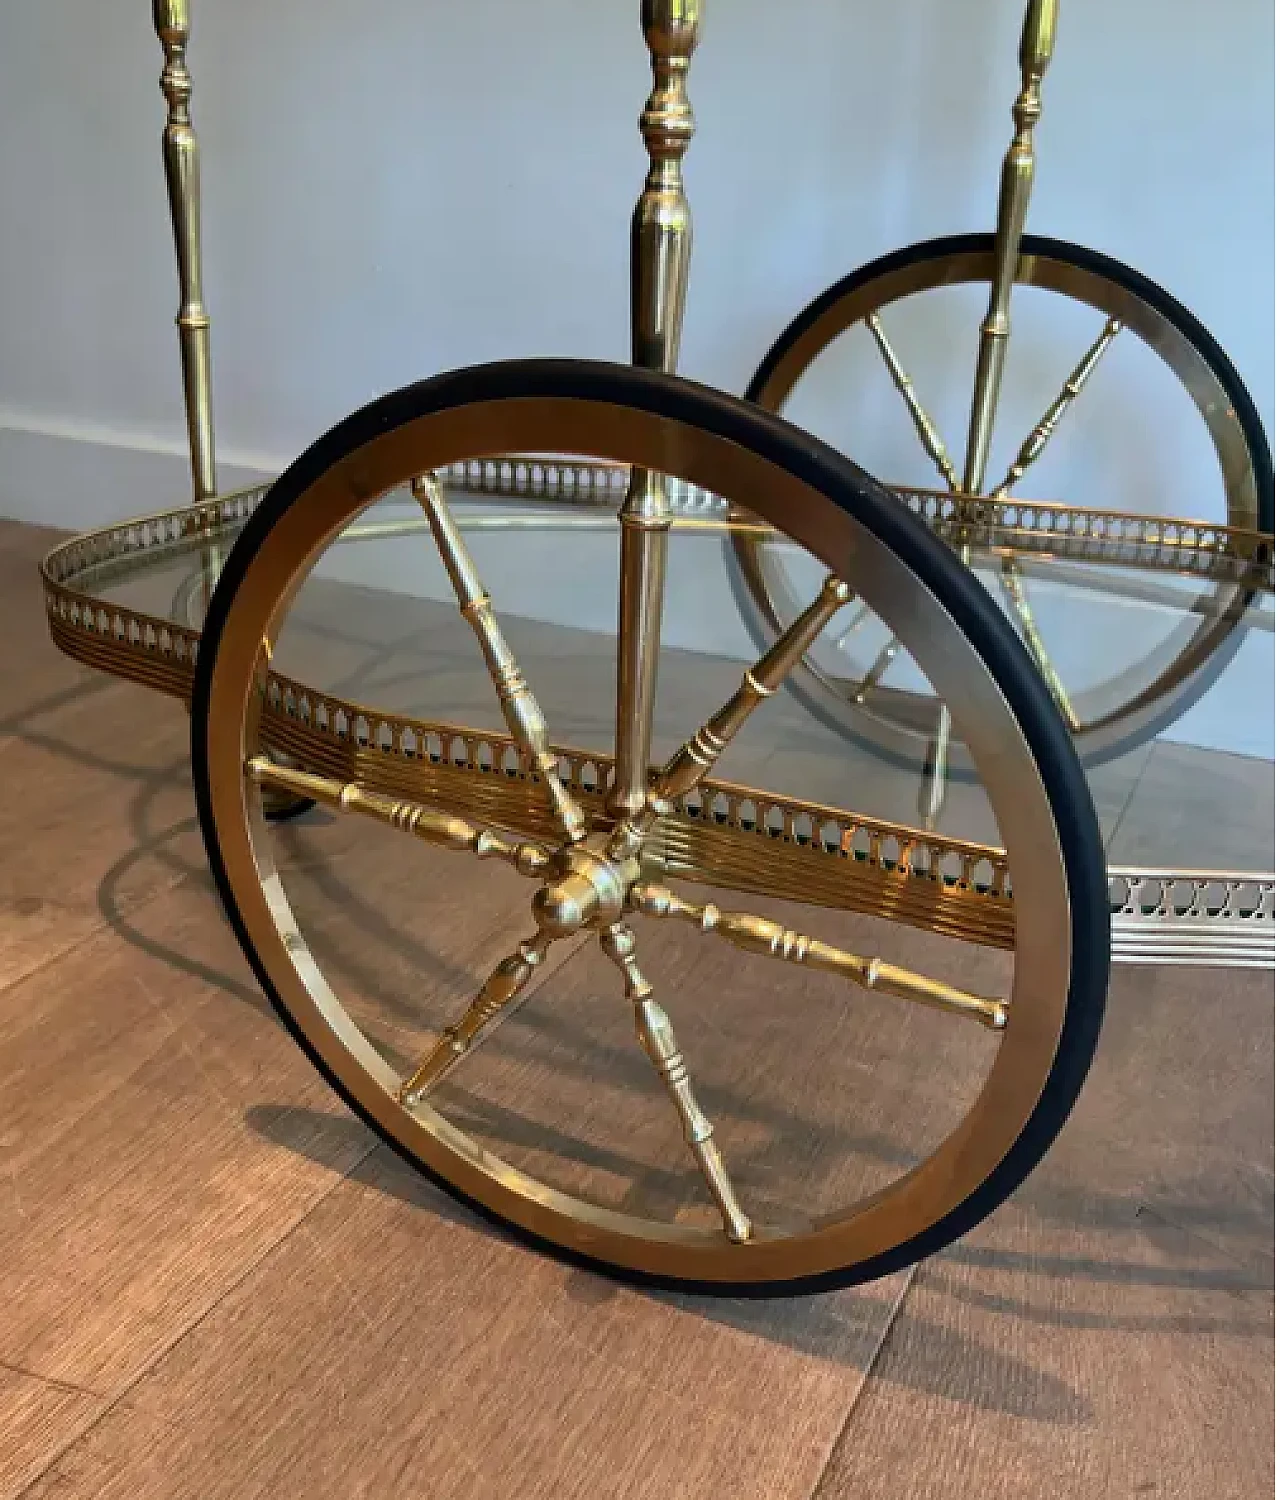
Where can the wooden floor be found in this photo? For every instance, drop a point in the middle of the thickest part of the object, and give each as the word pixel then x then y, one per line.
pixel 214 1284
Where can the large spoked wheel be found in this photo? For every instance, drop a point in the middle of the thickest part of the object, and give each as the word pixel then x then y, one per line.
pixel 618 880
pixel 1190 445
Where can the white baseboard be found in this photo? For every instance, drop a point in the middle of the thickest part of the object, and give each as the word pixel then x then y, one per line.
pixel 80 477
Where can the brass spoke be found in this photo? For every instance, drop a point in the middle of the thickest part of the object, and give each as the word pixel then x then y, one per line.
pixel 860 617
pixel 445 830
pixel 1038 438
pixel 760 935
pixel 888 655
pixel 1032 447
pixel 1013 584
pixel 930 437
pixel 653 1027
pixel 500 997
pixel 519 706
pixel 698 755
pixel 933 778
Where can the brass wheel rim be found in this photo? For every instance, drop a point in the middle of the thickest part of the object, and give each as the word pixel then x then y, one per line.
pixel 1043 927
pixel 902 722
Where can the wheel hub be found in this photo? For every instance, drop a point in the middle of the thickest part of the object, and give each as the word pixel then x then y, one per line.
pixel 588 888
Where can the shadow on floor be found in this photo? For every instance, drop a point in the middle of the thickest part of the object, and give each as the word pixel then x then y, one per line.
pixel 841 1326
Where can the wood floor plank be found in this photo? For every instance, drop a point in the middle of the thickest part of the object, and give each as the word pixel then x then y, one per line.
pixel 37 1421
pixel 393 1346
pixel 1178 1113
pixel 133 1067
pixel 97 813
pixel 543 1381
pixel 1110 1330
pixel 1118 1357
pixel 133 1191
pixel 97 817
pixel 1201 810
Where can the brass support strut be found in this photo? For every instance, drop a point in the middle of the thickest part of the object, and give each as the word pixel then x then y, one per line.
pixel 1016 176
pixel 660 248
pixel 182 175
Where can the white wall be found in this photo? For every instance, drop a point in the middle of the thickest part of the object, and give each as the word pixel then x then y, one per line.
pixel 404 187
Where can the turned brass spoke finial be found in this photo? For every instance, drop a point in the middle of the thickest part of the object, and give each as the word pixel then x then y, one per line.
pixel 653 1027
pixel 772 940
pixel 519 706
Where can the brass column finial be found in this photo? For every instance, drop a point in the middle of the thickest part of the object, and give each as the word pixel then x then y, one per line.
pixel 182 175
pixel 660 245
pixel 661 225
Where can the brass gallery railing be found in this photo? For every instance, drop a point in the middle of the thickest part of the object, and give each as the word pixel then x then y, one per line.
pixel 986 523
pixel 722 834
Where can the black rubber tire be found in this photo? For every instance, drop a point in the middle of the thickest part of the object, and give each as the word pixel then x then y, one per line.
pixel 976 616
pixel 1167 306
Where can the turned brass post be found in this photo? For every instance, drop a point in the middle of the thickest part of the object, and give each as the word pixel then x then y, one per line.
pixel 1038 30
pixel 660 245
pixel 1016 178
pixel 182 175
